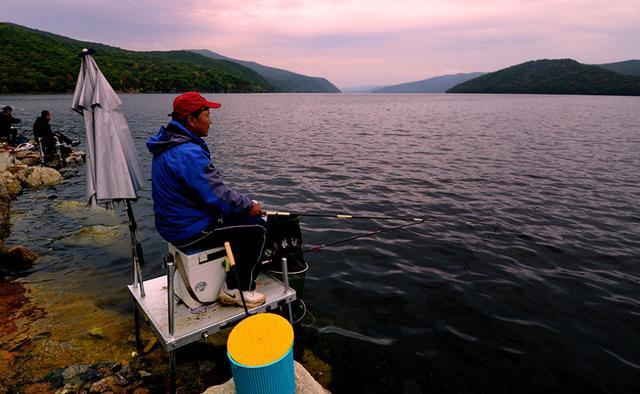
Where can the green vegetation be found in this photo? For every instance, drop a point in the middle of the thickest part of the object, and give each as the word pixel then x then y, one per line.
pixel 628 67
pixel 32 61
pixel 563 76
pixel 285 81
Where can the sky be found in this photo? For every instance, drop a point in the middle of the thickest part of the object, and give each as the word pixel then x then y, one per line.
pixel 353 42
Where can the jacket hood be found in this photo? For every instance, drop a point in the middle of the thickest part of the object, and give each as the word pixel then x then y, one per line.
pixel 172 135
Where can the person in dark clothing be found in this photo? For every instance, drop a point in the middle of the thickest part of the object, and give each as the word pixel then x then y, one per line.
pixel 193 208
pixel 42 133
pixel 6 121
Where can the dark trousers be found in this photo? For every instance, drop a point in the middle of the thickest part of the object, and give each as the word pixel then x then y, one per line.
pixel 49 141
pixel 247 235
pixel 11 135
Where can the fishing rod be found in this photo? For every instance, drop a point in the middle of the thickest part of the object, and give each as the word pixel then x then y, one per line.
pixel 340 216
pixel 369 234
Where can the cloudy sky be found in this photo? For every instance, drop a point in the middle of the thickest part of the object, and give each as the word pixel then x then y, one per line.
pixel 353 42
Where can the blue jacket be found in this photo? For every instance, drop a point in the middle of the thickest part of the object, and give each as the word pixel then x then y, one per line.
pixel 188 192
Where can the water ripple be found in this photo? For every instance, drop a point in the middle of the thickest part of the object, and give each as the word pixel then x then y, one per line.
pixel 530 243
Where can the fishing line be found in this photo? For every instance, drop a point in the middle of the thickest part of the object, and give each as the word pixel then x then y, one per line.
pixel 369 234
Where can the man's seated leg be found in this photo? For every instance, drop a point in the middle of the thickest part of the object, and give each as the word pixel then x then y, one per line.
pixel 48 145
pixel 66 140
pixel 247 236
pixel 13 136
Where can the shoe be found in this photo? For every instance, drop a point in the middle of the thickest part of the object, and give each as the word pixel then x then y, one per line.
pixel 232 297
pixel 75 142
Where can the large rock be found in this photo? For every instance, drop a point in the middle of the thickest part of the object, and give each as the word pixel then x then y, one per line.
pixel 18 258
pixel 16 168
pixel 28 158
pixel 11 183
pixel 76 157
pixel 23 254
pixel 25 153
pixel 41 177
pixel 22 175
pixel 5 218
pixel 97 235
pixel 4 160
pixel 305 383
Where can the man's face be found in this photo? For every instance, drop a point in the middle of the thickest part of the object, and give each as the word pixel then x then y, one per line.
pixel 200 125
pixel 48 116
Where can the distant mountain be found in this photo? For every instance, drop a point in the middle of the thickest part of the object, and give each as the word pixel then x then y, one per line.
pixel 33 61
pixel 628 67
pixel 361 89
pixel 564 76
pixel 431 85
pixel 285 81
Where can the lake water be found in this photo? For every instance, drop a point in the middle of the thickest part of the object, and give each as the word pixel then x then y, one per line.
pixel 524 278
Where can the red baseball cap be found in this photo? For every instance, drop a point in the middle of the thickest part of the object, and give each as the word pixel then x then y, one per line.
pixel 190 102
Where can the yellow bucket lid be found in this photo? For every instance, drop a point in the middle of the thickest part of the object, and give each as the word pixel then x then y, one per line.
pixel 260 340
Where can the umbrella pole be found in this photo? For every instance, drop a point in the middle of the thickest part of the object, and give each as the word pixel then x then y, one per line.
pixel 136 249
pixel 136 256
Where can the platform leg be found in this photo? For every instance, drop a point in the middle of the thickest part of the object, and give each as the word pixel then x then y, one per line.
pixel 171 306
pixel 136 322
pixel 170 297
pixel 172 370
pixel 285 278
pixel 290 312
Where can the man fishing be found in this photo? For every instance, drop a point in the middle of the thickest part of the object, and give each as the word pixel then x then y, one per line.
pixel 48 138
pixel 194 209
pixel 6 123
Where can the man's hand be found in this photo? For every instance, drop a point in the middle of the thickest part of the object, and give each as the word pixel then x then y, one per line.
pixel 256 209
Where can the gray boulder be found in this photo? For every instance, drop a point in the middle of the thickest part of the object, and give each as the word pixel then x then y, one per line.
pixel 42 177
pixel 5 160
pixel 11 183
pixel 305 383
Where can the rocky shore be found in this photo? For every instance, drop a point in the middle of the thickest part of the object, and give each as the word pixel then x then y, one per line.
pixel 18 173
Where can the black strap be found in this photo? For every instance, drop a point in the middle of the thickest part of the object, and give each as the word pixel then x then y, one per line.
pixel 186 283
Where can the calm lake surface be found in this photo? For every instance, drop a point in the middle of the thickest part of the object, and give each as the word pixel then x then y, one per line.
pixel 524 278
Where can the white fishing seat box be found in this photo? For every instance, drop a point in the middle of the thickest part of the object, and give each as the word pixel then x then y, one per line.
pixel 204 273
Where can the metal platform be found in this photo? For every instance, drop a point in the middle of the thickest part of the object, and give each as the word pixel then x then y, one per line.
pixel 190 327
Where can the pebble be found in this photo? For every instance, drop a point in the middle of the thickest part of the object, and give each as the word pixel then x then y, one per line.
pixel 96 333
pixel 91 373
pixel 74 371
pixel 55 378
pixel 105 384
pixel 68 389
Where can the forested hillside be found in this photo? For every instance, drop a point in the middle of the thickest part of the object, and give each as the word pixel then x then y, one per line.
pixel 32 61
pixel 564 76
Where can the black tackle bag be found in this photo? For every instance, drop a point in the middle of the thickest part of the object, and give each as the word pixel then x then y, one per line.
pixel 284 239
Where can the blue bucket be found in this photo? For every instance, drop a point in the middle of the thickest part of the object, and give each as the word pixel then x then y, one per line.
pixel 260 349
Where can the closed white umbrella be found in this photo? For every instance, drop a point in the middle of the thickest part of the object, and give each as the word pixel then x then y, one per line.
pixel 113 169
